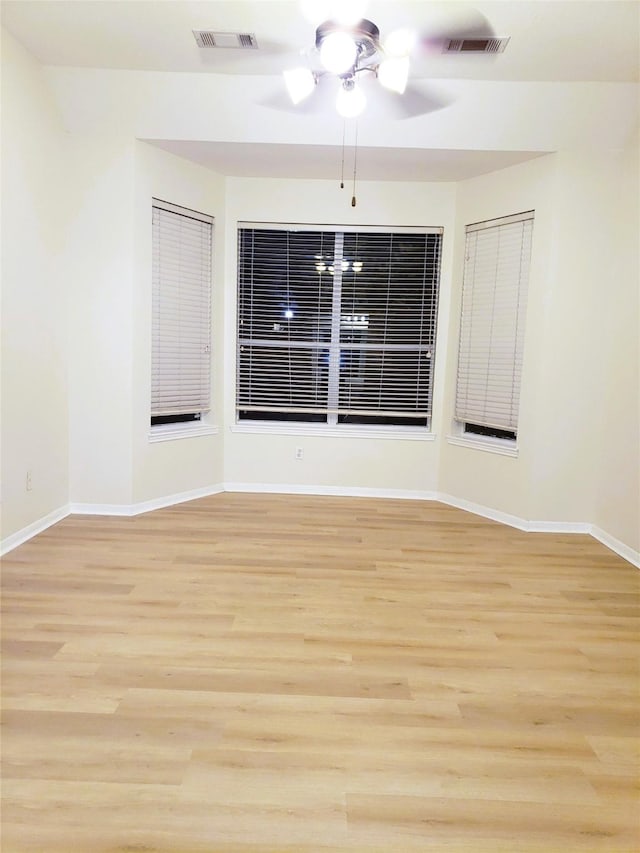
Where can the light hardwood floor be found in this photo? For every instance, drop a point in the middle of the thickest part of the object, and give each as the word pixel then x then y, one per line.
pixel 273 673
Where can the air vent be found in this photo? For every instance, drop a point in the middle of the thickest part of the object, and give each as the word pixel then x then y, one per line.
pixel 241 41
pixel 476 45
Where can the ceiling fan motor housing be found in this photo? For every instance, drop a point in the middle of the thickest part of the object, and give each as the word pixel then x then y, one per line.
pixel 365 34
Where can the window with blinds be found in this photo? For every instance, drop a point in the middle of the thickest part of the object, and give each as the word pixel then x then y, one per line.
pixel 181 314
pixel 494 302
pixel 336 326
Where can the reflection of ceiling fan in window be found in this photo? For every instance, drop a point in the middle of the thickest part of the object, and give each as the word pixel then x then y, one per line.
pixel 350 62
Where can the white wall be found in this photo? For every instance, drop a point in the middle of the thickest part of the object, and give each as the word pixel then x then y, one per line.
pixel 184 465
pixel 578 435
pixel 100 253
pixel 112 461
pixel 76 249
pixel 332 462
pixel 76 310
pixel 617 509
pixel 499 482
pixel 587 350
pixel 34 296
pixel 484 114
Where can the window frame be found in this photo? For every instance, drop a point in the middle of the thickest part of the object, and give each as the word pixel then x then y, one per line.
pixel 331 426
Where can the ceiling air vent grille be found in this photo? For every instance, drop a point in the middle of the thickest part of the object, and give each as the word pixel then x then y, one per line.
pixel 242 41
pixel 475 45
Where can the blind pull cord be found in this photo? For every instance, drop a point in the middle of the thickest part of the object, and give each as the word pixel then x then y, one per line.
pixel 344 131
pixel 355 164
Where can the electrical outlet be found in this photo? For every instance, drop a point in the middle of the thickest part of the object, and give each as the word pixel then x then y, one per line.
pixel 299 453
pixel 29 483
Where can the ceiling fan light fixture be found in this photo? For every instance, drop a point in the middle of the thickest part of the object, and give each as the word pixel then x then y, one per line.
pixel 394 73
pixel 351 100
pixel 399 43
pixel 338 52
pixel 300 83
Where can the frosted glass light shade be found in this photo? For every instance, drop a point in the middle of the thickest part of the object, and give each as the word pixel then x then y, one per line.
pixel 394 73
pixel 399 43
pixel 338 52
pixel 350 102
pixel 300 83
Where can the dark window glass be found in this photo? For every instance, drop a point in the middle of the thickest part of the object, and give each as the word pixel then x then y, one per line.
pixel 336 326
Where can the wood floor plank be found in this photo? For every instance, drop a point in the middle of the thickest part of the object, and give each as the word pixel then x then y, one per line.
pixel 483 822
pixel 279 674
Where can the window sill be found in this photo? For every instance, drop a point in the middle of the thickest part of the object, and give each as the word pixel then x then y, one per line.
pixel 171 432
pixel 502 448
pixel 345 431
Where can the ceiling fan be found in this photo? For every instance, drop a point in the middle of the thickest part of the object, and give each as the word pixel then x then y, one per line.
pixel 351 62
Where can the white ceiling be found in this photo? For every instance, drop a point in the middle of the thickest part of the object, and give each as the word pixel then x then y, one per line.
pixel 556 48
pixel 566 40
pixel 314 161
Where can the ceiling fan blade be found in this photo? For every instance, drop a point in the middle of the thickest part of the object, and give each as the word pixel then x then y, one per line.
pixel 268 58
pixel 470 24
pixel 414 102
pixel 322 99
pixel 411 103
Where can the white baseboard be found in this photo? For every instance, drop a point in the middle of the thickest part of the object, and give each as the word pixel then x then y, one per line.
pixel 516 521
pixel 333 491
pixel 558 527
pixel 145 506
pixel 52 518
pixel 484 511
pixel 180 498
pixel 616 545
pixel 608 541
pixel 101 509
pixel 31 530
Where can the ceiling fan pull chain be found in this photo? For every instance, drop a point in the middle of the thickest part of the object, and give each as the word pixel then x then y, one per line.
pixel 355 164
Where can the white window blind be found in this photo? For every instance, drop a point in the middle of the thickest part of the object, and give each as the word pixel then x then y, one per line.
pixel 494 301
pixel 337 326
pixel 181 312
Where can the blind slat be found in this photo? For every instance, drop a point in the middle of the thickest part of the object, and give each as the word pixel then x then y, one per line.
pixel 492 325
pixel 336 322
pixel 181 311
